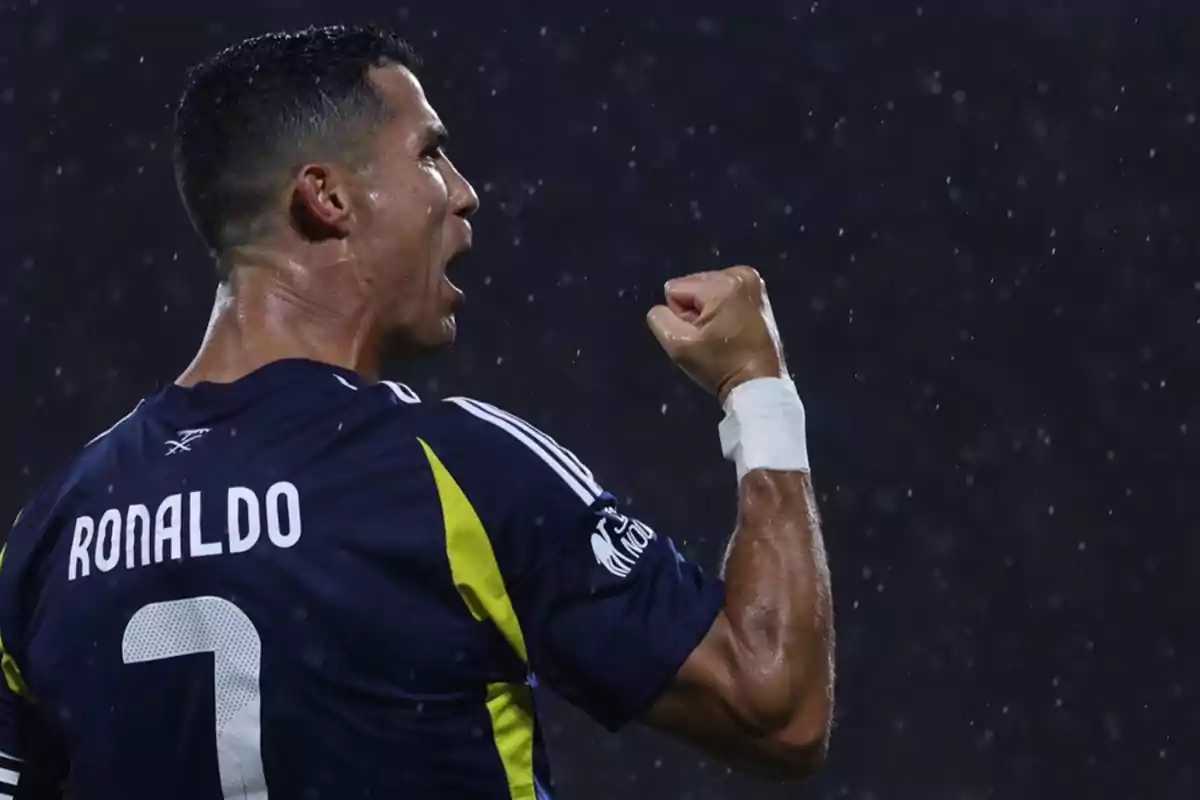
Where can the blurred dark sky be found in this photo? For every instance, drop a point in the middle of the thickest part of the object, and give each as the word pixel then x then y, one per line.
pixel 979 230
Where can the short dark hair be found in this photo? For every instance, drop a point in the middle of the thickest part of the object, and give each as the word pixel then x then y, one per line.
pixel 259 109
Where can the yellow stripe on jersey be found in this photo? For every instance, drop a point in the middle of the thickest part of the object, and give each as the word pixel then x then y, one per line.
pixel 472 562
pixel 511 708
pixel 12 673
pixel 477 577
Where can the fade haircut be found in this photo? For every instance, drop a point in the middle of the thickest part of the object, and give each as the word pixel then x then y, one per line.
pixel 256 112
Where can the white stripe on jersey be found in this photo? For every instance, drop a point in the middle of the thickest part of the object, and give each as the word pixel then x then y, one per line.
pixel 565 456
pixel 116 424
pixel 405 394
pixel 569 458
pixel 10 773
pixel 581 485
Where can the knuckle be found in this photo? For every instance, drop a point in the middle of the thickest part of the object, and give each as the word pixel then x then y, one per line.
pixel 751 275
pixel 746 276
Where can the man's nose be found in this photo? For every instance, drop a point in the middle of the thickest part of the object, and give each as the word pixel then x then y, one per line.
pixel 463 198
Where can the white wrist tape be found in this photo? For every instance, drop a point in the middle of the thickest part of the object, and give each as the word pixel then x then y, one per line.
pixel 764 427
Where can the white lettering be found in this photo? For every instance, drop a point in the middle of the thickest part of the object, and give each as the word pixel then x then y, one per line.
pixel 167 531
pixel 137 525
pixel 85 527
pixel 246 514
pixel 634 538
pixel 108 550
pixel 197 547
pixel 292 498
pixel 241 496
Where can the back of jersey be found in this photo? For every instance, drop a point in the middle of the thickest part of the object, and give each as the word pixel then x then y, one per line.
pixel 246 584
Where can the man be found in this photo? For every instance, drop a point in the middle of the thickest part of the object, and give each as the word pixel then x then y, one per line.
pixel 282 577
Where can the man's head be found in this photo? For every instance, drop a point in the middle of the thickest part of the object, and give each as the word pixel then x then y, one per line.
pixel 320 145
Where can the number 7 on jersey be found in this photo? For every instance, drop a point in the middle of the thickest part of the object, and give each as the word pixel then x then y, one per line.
pixel 213 625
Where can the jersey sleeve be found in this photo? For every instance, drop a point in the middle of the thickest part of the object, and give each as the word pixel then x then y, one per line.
pixel 608 608
pixel 14 712
pixel 33 764
pixel 30 769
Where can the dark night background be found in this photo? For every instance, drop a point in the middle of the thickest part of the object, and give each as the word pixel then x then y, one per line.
pixel 978 226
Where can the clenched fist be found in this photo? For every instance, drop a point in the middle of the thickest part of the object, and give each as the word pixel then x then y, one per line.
pixel 718 327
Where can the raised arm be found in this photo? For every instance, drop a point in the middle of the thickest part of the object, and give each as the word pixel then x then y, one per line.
pixel 610 614
pixel 757 692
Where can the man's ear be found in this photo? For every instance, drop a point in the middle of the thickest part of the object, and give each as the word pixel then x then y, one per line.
pixel 320 203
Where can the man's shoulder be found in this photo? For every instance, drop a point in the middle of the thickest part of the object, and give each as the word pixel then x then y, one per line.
pixel 53 492
pixel 488 443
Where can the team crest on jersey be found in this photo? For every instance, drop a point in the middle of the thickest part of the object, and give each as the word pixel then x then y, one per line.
pixel 619 541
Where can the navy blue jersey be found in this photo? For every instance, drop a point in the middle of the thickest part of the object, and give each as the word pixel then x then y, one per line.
pixel 301 585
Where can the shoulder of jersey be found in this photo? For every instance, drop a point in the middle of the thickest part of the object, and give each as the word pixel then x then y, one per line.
pixel 531 442
pixel 485 427
pixel 65 474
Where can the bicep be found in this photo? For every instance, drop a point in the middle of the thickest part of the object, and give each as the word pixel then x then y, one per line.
pixel 716 703
pixel 702 703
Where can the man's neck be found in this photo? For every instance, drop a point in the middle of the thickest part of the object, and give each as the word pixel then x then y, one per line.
pixel 250 328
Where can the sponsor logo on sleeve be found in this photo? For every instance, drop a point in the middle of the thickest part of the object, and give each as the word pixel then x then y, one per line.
pixel 619 541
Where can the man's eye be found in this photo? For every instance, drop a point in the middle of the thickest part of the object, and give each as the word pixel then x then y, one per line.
pixel 434 154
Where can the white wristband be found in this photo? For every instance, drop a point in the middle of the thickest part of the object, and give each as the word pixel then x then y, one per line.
pixel 764 427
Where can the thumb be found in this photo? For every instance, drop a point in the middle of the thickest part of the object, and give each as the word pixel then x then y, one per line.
pixel 670 329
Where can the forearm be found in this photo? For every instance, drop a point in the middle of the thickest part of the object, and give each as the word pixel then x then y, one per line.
pixel 778 599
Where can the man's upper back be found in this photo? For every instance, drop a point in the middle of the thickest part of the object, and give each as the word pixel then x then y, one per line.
pixel 340 587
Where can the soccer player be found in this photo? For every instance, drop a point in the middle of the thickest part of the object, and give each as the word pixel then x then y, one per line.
pixel 281 577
